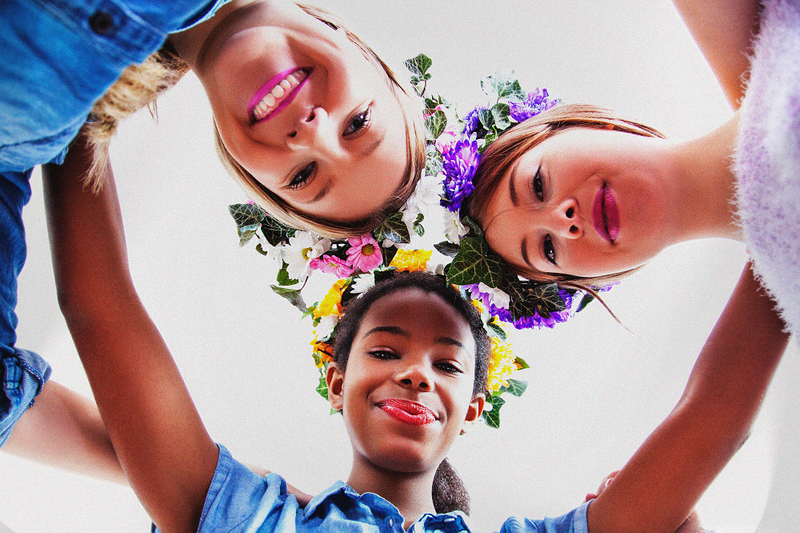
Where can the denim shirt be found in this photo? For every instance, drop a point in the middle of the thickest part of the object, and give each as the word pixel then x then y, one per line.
pixel 241 501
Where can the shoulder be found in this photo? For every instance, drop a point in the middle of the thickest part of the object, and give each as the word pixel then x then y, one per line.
pixel 571 522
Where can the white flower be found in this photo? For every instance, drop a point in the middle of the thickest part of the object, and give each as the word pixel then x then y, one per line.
pixel 453 228
pixel 302 248
pixel 324 329
pixel 499 297
pixel 362 284
pixel 425 197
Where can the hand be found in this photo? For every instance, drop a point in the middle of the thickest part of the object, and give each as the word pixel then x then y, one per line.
pixel 603 486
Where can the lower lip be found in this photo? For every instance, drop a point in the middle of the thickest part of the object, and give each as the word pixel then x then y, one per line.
pixel 267 87
pixel 408 413
pixel 605 214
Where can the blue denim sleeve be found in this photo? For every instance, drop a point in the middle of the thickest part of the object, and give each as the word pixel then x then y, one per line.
pixel 23 375
pixel 572 522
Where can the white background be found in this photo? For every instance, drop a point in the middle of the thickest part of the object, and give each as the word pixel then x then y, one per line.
pixel 596 389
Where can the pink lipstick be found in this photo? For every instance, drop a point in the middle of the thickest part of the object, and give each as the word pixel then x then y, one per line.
pixel 605 214
pixel 407 411
pixel 272 97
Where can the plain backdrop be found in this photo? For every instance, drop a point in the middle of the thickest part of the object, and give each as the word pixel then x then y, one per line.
pixel 597 389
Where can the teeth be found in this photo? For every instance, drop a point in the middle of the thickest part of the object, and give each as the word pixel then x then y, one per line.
pixel 274 98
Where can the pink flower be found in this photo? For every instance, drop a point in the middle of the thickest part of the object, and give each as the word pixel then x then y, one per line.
pixel 332 265
pixel 364 253
pixel 447 140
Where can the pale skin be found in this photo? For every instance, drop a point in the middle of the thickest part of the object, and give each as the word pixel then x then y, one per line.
pixel 337 128
pixel 169 457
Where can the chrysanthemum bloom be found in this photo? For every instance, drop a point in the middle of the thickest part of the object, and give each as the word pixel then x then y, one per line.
pixel 501 366
pixel 411 260
pixel 331 304
pixel 364 253
pixel 303 247
pixel 534 103
pixel 459 168
pixel 472 121
pixel 332 265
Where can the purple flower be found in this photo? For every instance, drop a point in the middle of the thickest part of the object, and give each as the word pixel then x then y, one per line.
pixel 534 103
pixel 458 168
pixel 472 121
pixel 526 322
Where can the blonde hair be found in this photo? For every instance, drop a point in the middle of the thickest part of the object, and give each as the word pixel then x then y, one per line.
pixel 140 85
pixel 512 144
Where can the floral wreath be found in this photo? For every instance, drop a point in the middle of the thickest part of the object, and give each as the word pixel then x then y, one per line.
pixel 465 259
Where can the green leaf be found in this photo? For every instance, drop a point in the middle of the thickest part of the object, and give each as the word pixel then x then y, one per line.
pixel 283 276
pixel 433 161
pixel 492 418
pixel 529 298
pixel 497 331
pixel 447 248
pixel 419 65
pixel 501 114
pixel 435 124
pixel 521 362
pixel 274 232
pixel 475 228
pixel 502 85
pixel 388 255
pixel 419 229
pixel 486 119
pixel 292 295
pixel 394 229
pixel 475 263
pixel 322 388
pixel 516 387
pixel 248 219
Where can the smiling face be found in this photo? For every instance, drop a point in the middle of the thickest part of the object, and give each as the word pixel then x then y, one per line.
pixel 408 388
pixel 301 108
pixel 585 202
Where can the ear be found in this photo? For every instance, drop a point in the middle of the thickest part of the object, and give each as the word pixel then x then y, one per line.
pixel 474 412
pixel 335 380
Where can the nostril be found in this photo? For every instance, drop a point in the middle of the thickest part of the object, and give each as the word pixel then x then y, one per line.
pixel 573 229
pixel 311 116
pixel 293 134
pixel 570 213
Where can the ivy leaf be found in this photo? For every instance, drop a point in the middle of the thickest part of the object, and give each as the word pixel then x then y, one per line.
pixel 503 86
pixel 492 417
pixel 322 388
pixel 475 263
pixel 496 330
pixel 433 161
pixel 419 229
pixel 292 295
pixel 447 248
pixel 283 276
pixel 529 298
pixel 486 119
pixel 501 114
pixel 516 387
pixel 274 232
pixel 388 255
pixel 394 229
pixel 475 228
pixel 248 219
pixel 435 124
pixel 419 65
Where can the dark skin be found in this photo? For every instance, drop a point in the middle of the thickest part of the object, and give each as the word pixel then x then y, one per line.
pixel 169 457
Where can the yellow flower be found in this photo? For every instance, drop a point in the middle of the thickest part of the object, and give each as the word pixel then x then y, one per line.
pixel 411 260
pixel 501 365
pixel 332 303
pixel 322 353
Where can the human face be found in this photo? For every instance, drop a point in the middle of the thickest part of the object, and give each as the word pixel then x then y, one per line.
pixel 301 108
pixel 407 390
pixel 584 202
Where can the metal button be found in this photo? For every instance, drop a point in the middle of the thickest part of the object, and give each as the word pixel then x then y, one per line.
pixel 101 22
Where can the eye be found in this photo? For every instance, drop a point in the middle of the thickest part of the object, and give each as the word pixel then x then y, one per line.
pixel 358 123
pixel 302 177
pixel 548 249
pixel 382 354
pixel 448 367
pixel 537 186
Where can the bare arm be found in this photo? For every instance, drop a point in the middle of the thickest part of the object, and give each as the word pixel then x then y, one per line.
pixel 658 488
pixel 723 29
pixel 64 430
pixel 159 437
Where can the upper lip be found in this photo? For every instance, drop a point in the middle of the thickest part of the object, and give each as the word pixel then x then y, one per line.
pixel 409 406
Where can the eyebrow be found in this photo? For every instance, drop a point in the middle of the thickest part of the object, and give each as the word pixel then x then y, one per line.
pixel 369 150
pixel 396 330
pixel 512 189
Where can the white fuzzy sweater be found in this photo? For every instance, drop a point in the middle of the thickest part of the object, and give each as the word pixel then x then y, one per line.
pixel 767 161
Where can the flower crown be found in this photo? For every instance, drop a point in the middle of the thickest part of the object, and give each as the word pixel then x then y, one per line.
pixel 463 257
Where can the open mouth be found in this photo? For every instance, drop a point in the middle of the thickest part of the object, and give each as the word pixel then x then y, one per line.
pixel 276 94
pixel 407 411
pixel 605 214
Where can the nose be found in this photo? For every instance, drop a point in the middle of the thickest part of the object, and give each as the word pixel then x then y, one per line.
pixel 314 130
pixel 414 375
pixel 565 220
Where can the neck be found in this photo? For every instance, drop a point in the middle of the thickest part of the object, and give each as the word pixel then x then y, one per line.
pixel 411 493
pixel 702 168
